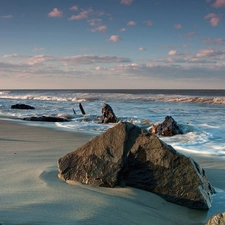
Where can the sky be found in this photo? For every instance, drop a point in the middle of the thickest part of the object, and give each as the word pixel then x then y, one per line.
pixel 112 44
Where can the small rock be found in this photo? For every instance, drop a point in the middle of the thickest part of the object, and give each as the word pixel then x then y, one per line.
pixel 22 106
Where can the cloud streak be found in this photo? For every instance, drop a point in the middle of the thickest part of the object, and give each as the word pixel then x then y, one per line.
pixel 38 49
pixel 79 59
pixel 6 17
pixel 100 29
pixel 84 14
pixel 209 53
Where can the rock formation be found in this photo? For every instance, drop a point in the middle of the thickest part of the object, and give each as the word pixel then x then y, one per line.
pixel 22 106
pixel 126 155
pixel 108 115
pixel 168 127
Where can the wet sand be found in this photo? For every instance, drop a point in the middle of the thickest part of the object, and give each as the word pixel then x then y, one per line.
pixel 31 192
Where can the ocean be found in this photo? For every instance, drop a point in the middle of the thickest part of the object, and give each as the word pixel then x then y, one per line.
pixel 199 113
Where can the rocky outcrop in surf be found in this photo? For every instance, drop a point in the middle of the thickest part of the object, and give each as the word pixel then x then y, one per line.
pixel 168 127
pixel 108 115
pixel 22 106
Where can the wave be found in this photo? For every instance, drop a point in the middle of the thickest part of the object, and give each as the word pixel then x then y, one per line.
pixel 216 100
pixel 84 97
pixel 41 98
pixel 176 99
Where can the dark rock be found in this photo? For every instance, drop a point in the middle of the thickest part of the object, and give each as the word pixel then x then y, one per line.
pixel 108 115
pixel 218 219
pixel 126 155
pixel 168 127
pixel 22 106
pixel 46 119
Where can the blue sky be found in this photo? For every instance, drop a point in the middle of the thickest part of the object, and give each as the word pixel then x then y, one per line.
pixel 86 44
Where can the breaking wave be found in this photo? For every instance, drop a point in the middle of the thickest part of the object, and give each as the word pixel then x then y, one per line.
pixel 83 97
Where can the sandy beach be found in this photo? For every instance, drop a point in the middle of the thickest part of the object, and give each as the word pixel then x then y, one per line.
pixel 31 192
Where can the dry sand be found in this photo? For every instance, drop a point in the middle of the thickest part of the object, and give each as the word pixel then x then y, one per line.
pixel 32 194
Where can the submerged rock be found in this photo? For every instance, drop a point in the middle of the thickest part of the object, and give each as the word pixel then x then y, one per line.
pixel 126 155
pixel 46 119
pixel 22 106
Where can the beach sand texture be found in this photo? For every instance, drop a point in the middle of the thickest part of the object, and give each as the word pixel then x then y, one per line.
pixel 31 192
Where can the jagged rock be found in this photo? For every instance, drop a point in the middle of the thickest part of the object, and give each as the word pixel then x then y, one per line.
pixel 126 155
pixel 218 219
pixel 22 106
pixel 46 119
pixel 168 127
pixel 108 115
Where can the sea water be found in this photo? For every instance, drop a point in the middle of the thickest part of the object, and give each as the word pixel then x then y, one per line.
pixel 199 113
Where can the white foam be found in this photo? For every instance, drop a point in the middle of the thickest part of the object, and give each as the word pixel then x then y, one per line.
pixel 218 152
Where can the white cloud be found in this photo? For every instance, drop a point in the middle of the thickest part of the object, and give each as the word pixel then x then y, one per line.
pixel 131 23
pixel 75 8
pixel 172 52
pixel 55 13
pixel 114 38
pixel 219 4
pixel 37 59
pixel 142 49
pixel 99 68
pixel 13 55
pixel 126 2
pixel 123 29
pixel 214 18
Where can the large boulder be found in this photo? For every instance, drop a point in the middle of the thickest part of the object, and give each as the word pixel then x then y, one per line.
pixel 22 106
pixel 168 127
pixel 126 155
pixel 218 219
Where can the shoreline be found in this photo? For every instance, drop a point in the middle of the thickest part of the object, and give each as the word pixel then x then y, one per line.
pixel 31 192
